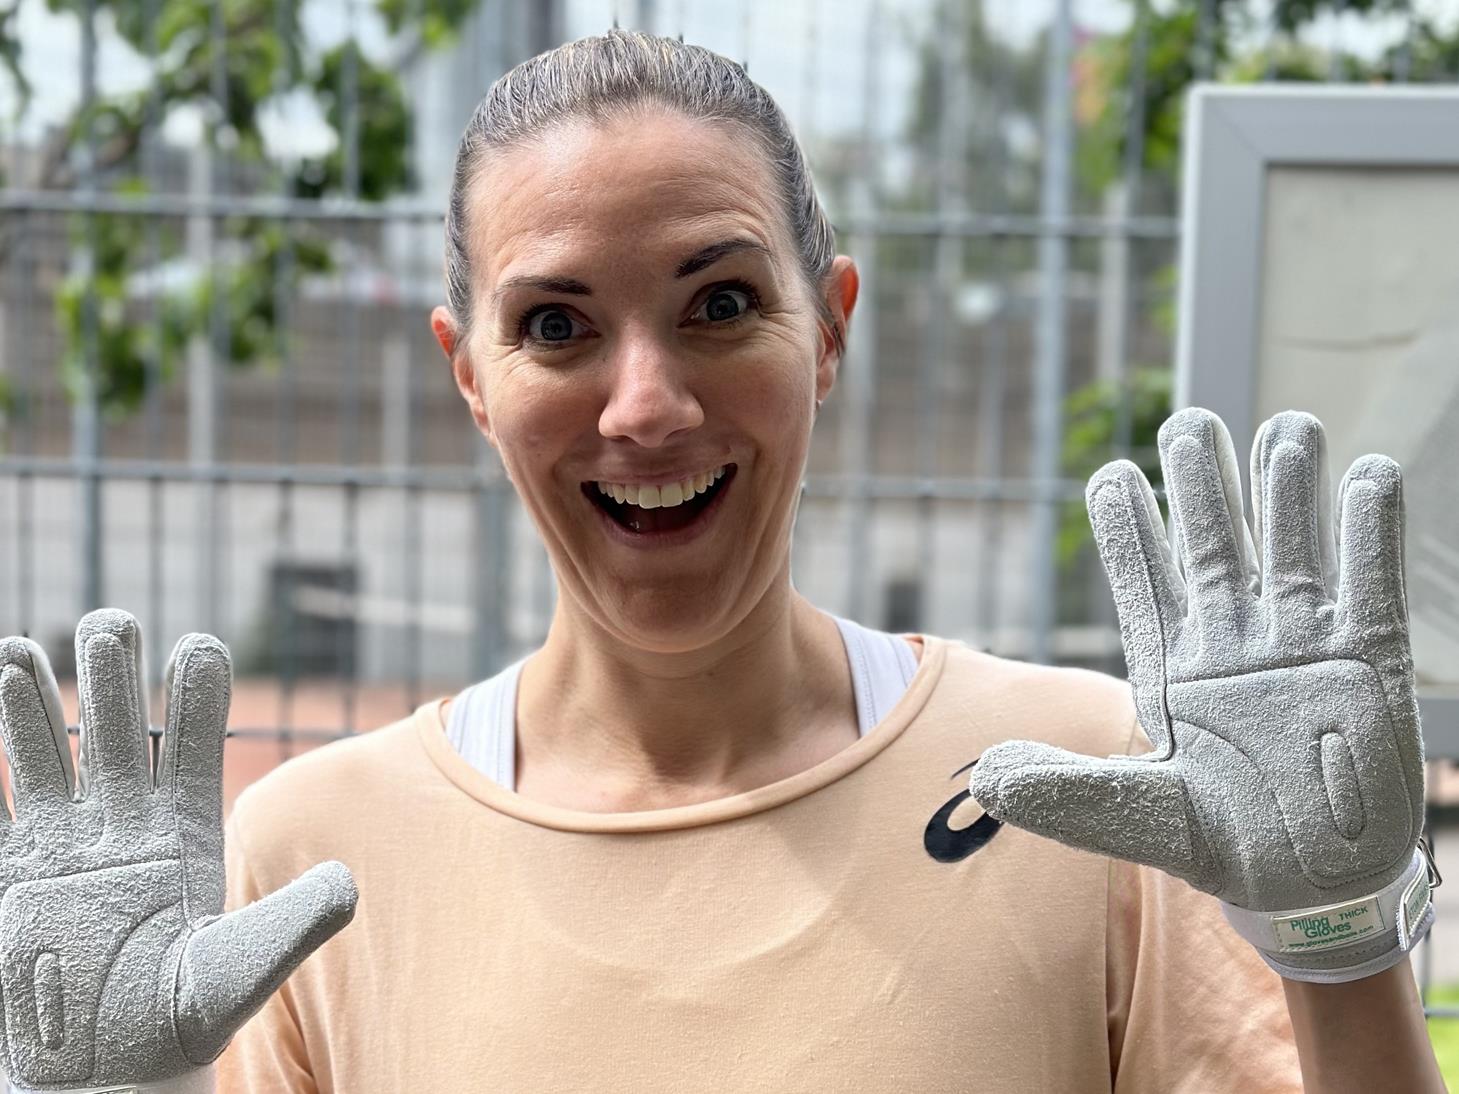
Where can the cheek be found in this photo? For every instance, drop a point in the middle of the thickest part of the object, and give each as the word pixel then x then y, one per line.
pixel 533 408
pixel 774 377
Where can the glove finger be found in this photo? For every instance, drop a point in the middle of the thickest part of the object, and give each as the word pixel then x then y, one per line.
pixel 113 705
pixel 198 681
pixel 1371 593
pixel 232 965
pixel 1258 494
pixel 1291 500
pixel 1212 540
pixel 1127 808
pixel 41 770
pixel 1148 594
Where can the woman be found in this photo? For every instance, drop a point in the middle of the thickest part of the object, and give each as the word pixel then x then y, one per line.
pixel 709 837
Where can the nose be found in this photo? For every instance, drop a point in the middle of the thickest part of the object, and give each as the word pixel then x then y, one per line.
pixel 649 400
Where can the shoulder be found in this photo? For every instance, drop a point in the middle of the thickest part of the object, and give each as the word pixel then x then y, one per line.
pixel 1074 708
pixel 333 788
pixel 356 761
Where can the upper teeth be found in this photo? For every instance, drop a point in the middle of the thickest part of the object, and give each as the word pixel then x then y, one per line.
pixel 661 497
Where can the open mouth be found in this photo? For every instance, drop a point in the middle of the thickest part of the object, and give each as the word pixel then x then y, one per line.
pixel 660 519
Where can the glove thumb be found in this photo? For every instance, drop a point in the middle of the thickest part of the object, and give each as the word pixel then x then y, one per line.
pixel 231 966
pixel 1129 808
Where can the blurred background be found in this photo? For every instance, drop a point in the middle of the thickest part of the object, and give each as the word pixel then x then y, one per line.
pixel 222 409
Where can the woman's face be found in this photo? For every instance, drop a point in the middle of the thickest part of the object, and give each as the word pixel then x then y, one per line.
pixel 640 321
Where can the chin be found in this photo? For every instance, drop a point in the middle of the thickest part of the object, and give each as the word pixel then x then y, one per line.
pixel 662 622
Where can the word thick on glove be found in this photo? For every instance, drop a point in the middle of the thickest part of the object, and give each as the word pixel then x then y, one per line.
pixel 1277 690
pixel 116 964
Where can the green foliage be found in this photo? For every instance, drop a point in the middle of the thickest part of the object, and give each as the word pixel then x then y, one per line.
pixel 95 314
pixel 135 337
pixel 9 403
pixel 1431 53
pixel 436 21
pixel 10 58
pixel 1173 52
pixel 1092 428
pixel 245 292
pixel 1444 1032
pixel 135 342
pixel 383 120
pixel 1001 85
pixel 122 344
pixel 1291 15
pixel 1004 86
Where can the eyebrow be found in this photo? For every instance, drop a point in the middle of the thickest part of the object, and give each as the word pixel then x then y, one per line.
pixel 708 256
pixel 699 260
pixel 563 285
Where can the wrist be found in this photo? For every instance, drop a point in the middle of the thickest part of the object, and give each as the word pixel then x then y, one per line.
pixel 1348 940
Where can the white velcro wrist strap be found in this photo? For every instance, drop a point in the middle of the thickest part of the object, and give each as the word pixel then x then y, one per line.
pixel 1334 943
pixel 194 1082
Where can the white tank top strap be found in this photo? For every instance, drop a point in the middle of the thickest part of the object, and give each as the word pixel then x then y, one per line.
pixel 482 725
pixel 482 721
pixel 882 666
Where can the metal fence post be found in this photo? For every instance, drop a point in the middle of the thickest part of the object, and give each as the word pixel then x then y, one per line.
pixel 492 546
pixel 86 410
pixel 947 263
pixel 856 435
pixel 1053 254
pixel 202 398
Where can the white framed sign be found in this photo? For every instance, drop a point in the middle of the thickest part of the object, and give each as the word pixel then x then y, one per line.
pixel 1320 272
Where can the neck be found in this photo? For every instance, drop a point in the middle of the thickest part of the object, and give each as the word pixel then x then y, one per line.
pixel 605 727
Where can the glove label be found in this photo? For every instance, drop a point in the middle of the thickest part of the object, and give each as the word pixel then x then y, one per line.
pixel 1323 928
pixel 1411 911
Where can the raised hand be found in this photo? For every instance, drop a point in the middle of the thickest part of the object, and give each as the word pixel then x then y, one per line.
pixel 1273 676
pixel 116 962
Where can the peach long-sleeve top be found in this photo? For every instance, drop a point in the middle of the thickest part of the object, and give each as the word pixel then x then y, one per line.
pixel 856 927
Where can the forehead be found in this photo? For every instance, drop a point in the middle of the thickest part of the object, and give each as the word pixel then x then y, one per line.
pixel 645 187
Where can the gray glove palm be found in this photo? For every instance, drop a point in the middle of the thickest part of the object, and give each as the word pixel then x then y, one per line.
pixel 1287 771
pixel 116 964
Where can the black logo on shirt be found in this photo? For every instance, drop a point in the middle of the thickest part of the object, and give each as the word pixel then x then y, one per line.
pixel 947 844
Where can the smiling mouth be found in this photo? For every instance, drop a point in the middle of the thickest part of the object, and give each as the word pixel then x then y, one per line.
pixel 659 519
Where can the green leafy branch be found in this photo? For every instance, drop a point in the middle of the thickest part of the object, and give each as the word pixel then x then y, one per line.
pixel 1174 52
pixel 1093 423
pixel 263 58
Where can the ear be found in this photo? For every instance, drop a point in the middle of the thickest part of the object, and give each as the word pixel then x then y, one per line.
pixel 842 283
pixel 443 326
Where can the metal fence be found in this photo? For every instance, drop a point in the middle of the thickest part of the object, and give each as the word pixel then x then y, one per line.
pixel 933 494
pixel 331 512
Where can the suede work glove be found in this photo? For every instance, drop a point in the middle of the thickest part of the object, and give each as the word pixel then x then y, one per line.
pixel 1277 689
pixel 117 966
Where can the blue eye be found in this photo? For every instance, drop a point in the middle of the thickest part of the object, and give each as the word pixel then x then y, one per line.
pixel 548 325
pixel 728 303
